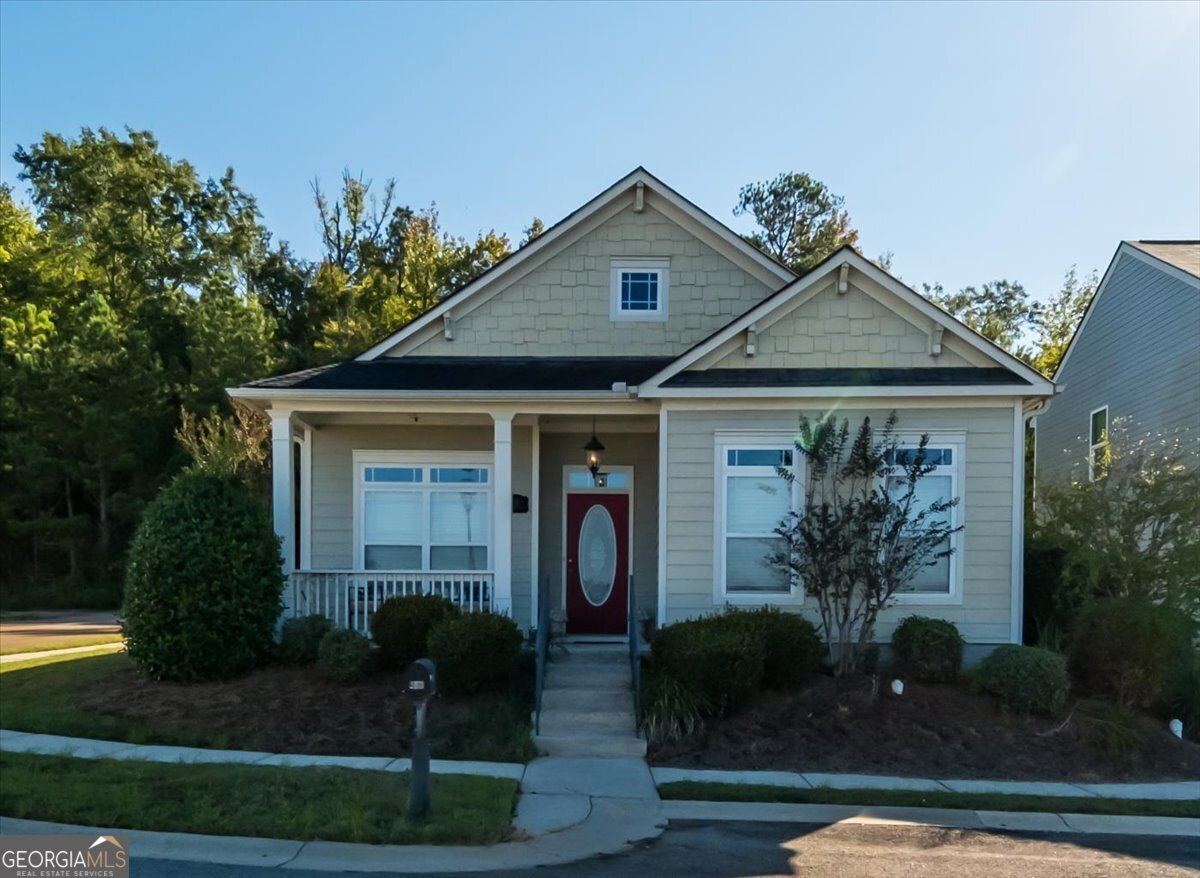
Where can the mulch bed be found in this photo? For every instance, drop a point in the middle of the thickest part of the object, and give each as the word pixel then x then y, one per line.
pixel 291 709
pixel 838 726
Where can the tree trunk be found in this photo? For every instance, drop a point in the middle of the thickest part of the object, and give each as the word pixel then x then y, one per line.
pixel 72 551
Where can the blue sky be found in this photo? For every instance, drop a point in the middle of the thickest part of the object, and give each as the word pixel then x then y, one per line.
pixel 973 141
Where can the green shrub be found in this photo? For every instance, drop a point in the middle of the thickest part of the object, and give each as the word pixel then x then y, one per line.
pixel 669 710
pixel 203 581
pixel 401 626
pixel 300 638
pixel 1124 648
pixel 928 649
pixel 1025 679
pixel 1183 693
pixel 475 651
pixel 791 648
pixel 721 662
pixel 344 656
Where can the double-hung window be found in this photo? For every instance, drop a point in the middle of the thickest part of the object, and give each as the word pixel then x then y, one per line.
pixel 423 512
pixel 942 581
pixel 752 500
pixel 1097 443
pixel 639 289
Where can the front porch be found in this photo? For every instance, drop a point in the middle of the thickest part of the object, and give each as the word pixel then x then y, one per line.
pixel 470 505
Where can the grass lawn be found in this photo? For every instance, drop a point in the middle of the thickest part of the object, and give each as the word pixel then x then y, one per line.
pixel 64 642
pixel 688 790
pixel 277 708
pixel 332 804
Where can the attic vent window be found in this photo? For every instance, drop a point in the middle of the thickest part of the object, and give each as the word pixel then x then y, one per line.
pixel 639 289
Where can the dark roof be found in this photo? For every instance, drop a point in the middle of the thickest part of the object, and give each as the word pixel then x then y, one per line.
pixel 934 376
pixel 1184 255
pixel 472 373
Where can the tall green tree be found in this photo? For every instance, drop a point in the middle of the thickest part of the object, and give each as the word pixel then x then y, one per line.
pixel 800 221
pixel 999 310
pixel 1060 316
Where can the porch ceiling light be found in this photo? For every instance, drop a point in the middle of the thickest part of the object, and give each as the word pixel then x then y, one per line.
pixel 593 448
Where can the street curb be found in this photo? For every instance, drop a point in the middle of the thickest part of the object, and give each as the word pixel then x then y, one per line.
pixel 1022 821
pixel 1173 790
pixel 611 827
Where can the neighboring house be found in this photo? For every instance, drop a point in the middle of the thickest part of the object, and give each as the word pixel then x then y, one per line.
pixel 646 338
pixel 1134 360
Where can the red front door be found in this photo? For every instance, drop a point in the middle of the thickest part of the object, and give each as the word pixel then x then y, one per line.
pixel 597 563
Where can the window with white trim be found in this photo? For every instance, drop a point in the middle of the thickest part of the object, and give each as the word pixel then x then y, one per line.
pixel 752 500
pixel 639 289
pixel 941 580
pixel 1097 442
pixel 424 516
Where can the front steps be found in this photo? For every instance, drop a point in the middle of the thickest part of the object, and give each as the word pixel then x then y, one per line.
pixel 587 704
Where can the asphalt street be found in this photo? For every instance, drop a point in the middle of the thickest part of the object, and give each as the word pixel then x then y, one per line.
pixel 742 850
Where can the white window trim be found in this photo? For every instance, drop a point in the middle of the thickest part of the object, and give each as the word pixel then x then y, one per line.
pixel 958 442
pixel 473 459
pixel 725 440
pixel 1092 446
pixel 661 266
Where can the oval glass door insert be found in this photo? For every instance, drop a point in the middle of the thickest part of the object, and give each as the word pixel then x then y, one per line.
pixel 597 555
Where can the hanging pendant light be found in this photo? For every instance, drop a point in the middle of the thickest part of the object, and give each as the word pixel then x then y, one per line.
pixel 593 448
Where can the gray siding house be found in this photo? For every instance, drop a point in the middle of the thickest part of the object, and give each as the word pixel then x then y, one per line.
pixel 603 413
pixel 1134 361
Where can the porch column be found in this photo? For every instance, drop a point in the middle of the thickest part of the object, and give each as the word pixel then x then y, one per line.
pixel 502 513
pixel 281 494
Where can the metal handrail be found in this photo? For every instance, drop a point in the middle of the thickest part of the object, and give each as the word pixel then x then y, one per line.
pixel 635 654
pixel 542 647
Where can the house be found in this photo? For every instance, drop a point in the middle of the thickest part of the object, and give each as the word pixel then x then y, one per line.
pixel 1135 357
pixel 604 411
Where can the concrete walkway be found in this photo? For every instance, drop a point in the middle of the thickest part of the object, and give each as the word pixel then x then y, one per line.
pixel 1185 789
pixel 98 648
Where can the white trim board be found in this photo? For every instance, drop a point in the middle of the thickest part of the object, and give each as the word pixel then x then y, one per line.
pixel 568 228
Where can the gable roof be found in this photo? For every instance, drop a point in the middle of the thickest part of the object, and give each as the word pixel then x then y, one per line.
pixel 1023 374
pixel 1184 255
pixel 1169 257
pixel 562 231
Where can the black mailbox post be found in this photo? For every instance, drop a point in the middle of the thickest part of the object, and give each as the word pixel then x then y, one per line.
pixel 420 684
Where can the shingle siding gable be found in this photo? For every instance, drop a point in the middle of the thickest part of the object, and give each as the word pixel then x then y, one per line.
pixel 562 307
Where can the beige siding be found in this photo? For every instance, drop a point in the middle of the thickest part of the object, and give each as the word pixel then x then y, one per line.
pixel 562 308
pixel 987 497
pixel 850 330
pixel 638 450
pixel 333 489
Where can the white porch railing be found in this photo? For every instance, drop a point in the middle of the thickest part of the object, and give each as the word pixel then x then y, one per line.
pixel 350 597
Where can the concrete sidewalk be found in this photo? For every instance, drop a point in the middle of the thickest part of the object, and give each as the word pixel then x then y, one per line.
pixel 1177 790
pixel 97 648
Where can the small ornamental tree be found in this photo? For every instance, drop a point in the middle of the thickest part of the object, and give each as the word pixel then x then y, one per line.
pixel 862 534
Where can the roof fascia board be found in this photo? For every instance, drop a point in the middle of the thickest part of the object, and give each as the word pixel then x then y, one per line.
pixel 928 391
pixel 801 403
pixel 566 229
pixel 1161 264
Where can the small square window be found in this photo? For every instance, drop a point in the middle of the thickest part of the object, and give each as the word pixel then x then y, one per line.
pixel 639 289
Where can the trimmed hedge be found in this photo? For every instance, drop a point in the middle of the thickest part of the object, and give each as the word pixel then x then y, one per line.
pixel 300 638
pixel 722 663
pixel 203 581
pixel 344 656
pixel 928 649
pixel 1183 694
pixel 791 648
pixel 475 651
pixel 1025 679
pixel 1124 648
pixel 401 626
